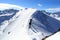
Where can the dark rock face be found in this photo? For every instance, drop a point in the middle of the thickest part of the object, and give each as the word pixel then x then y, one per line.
pixel 7 11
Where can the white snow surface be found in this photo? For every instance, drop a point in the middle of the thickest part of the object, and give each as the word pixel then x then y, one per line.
pixel 54 37
pixel 19 28
pixel 18 25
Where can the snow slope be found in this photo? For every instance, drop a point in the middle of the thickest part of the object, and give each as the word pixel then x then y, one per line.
pixel 19 28
pixel 28 24
pixel 8 13
pixel 45 21
pixel 54 37
pixel 44 24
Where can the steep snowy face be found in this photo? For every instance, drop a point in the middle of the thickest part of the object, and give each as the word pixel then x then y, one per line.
pixel 43 25
pixel 49 22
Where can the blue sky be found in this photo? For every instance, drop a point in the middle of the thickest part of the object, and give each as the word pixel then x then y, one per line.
pixel 39 4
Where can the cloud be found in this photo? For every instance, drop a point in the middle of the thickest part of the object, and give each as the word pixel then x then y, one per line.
pixel 57 9
pixel 53 9
pixel 40 5
pixel 7 6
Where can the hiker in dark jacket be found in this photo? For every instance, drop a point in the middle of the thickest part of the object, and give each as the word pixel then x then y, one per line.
pixel 30 23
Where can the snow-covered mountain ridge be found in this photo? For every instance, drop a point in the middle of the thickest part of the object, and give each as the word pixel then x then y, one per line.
pixel 26 24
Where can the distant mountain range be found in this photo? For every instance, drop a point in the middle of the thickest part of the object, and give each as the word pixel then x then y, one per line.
pixel 7 14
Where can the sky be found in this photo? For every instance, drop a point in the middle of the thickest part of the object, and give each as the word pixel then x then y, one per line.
pixel 38 4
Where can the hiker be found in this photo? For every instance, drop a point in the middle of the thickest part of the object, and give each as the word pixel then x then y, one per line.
pixel 30 23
